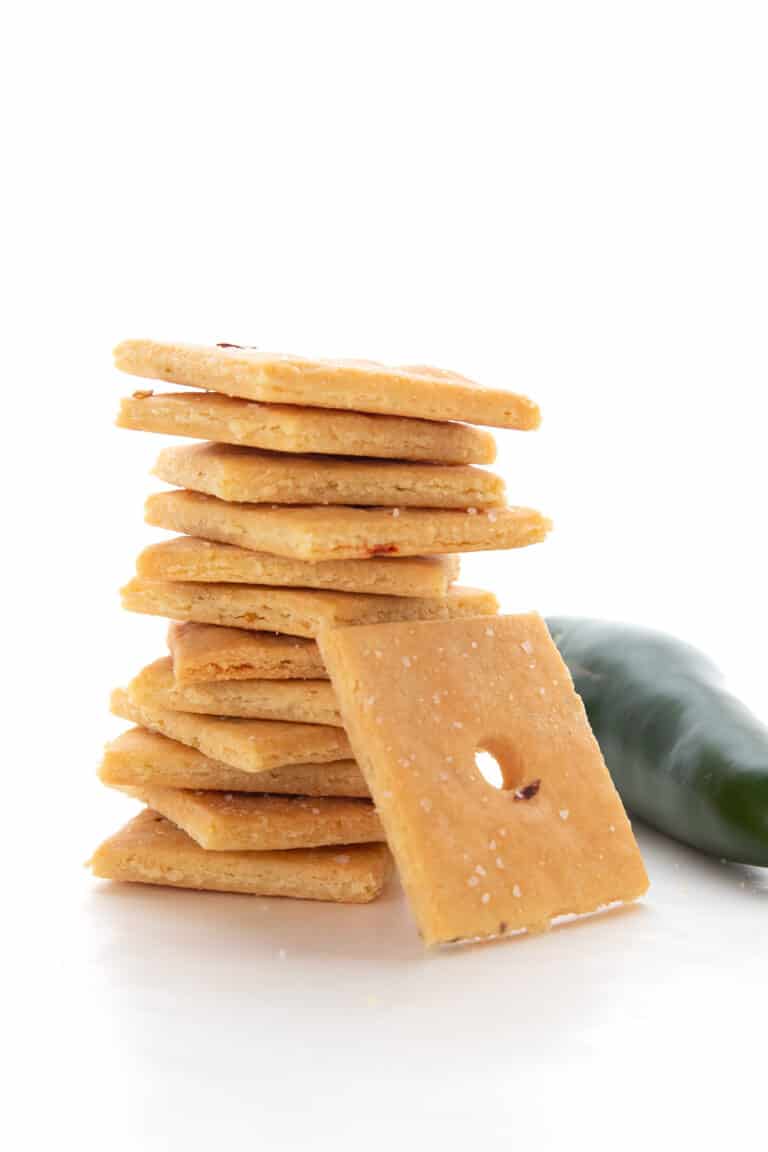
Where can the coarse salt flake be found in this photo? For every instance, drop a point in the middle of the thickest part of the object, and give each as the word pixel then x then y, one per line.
pixel 426 803
pixel 480 870
pixel 564 813
pixel 527 647
pixel 516 891
pixel 473 881
pixel 485 897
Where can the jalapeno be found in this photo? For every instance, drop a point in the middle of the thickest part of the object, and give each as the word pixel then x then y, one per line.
pixel 685 755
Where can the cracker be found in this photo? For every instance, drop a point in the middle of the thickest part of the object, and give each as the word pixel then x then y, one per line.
pixel 297 701
pixel 289 428
pixel 249 745
pixel 205 652
pixel 247 475
pixel 418 702
pixel 242 822
pixel 361 385
pixel 340 533
pixel 295 611
pixel 151 850
pixel 189 558
pixel 140 757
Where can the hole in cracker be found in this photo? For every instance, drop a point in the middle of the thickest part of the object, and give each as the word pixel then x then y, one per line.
pixel 489 768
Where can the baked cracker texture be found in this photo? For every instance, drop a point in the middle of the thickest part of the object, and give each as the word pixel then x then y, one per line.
pixel 139 757
pixel 291 428
pixel 419 701
pixel 152 850
pixel 247 475
pixel 248 745
pixel 243 822
pixel 361 385
pixel 295 611
pixel 339 533
pixel 206 652
pixel 205 561
pixel 298 701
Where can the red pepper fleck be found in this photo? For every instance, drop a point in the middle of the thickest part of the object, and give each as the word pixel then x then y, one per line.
pixel 383 549
pixel 528 791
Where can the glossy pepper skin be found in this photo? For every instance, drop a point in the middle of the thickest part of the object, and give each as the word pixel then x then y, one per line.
pixel 686 757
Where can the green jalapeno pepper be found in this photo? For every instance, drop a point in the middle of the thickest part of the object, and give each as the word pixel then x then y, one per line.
pixel 686 757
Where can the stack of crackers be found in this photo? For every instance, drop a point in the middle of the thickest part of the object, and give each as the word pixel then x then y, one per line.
pixel 325 510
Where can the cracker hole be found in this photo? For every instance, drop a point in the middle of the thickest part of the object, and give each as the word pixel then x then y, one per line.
pixel 489 768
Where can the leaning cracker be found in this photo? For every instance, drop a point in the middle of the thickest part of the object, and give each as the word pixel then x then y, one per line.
pixel 477 861
pixel 339 533
pixel 289 428
pixel 361 385
pixel 298 701
pixel 205 652
pixel 242 822
pixel 293 610
pixel 247 475
pixel 249 745
pixel 139 757
pixel 151 850
pixel 204 561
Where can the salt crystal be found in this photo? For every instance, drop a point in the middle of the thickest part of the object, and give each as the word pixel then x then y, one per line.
pixel 492 845
pixel 564 813
pixel 474 643
pixel 516 890
pixel 471 511
pixel 492 517
pixel 395 512
pixel 611 828
pixel 480 870
pixel 499 862
pixel 527 647
pixel 502 831
pixel 449 759
pixel 370 702
pixel 542 691
pixel 426 803
pixel 406 661
pixel 457 724
pixel 485 897
pixel 473 881
pixel 490 632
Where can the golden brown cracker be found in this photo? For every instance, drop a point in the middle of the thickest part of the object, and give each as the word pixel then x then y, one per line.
pixel 419 701
pixel 340 533
pixel 152 850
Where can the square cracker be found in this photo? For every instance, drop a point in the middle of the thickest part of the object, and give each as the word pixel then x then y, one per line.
pixel 297 611
pixel 243 822
pixel 206 652
pixel 419 701
pixel 340 533
pixel 297 701
pixel 151 850
pixel 289 428
pixel 249 745
pixel 140 757
pixel 204 561
pixel 249 476
pixel 361 385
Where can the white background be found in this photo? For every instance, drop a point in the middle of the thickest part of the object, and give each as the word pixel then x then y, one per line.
pixel 566 198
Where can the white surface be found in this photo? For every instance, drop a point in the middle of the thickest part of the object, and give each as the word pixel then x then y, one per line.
pixel 568 198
